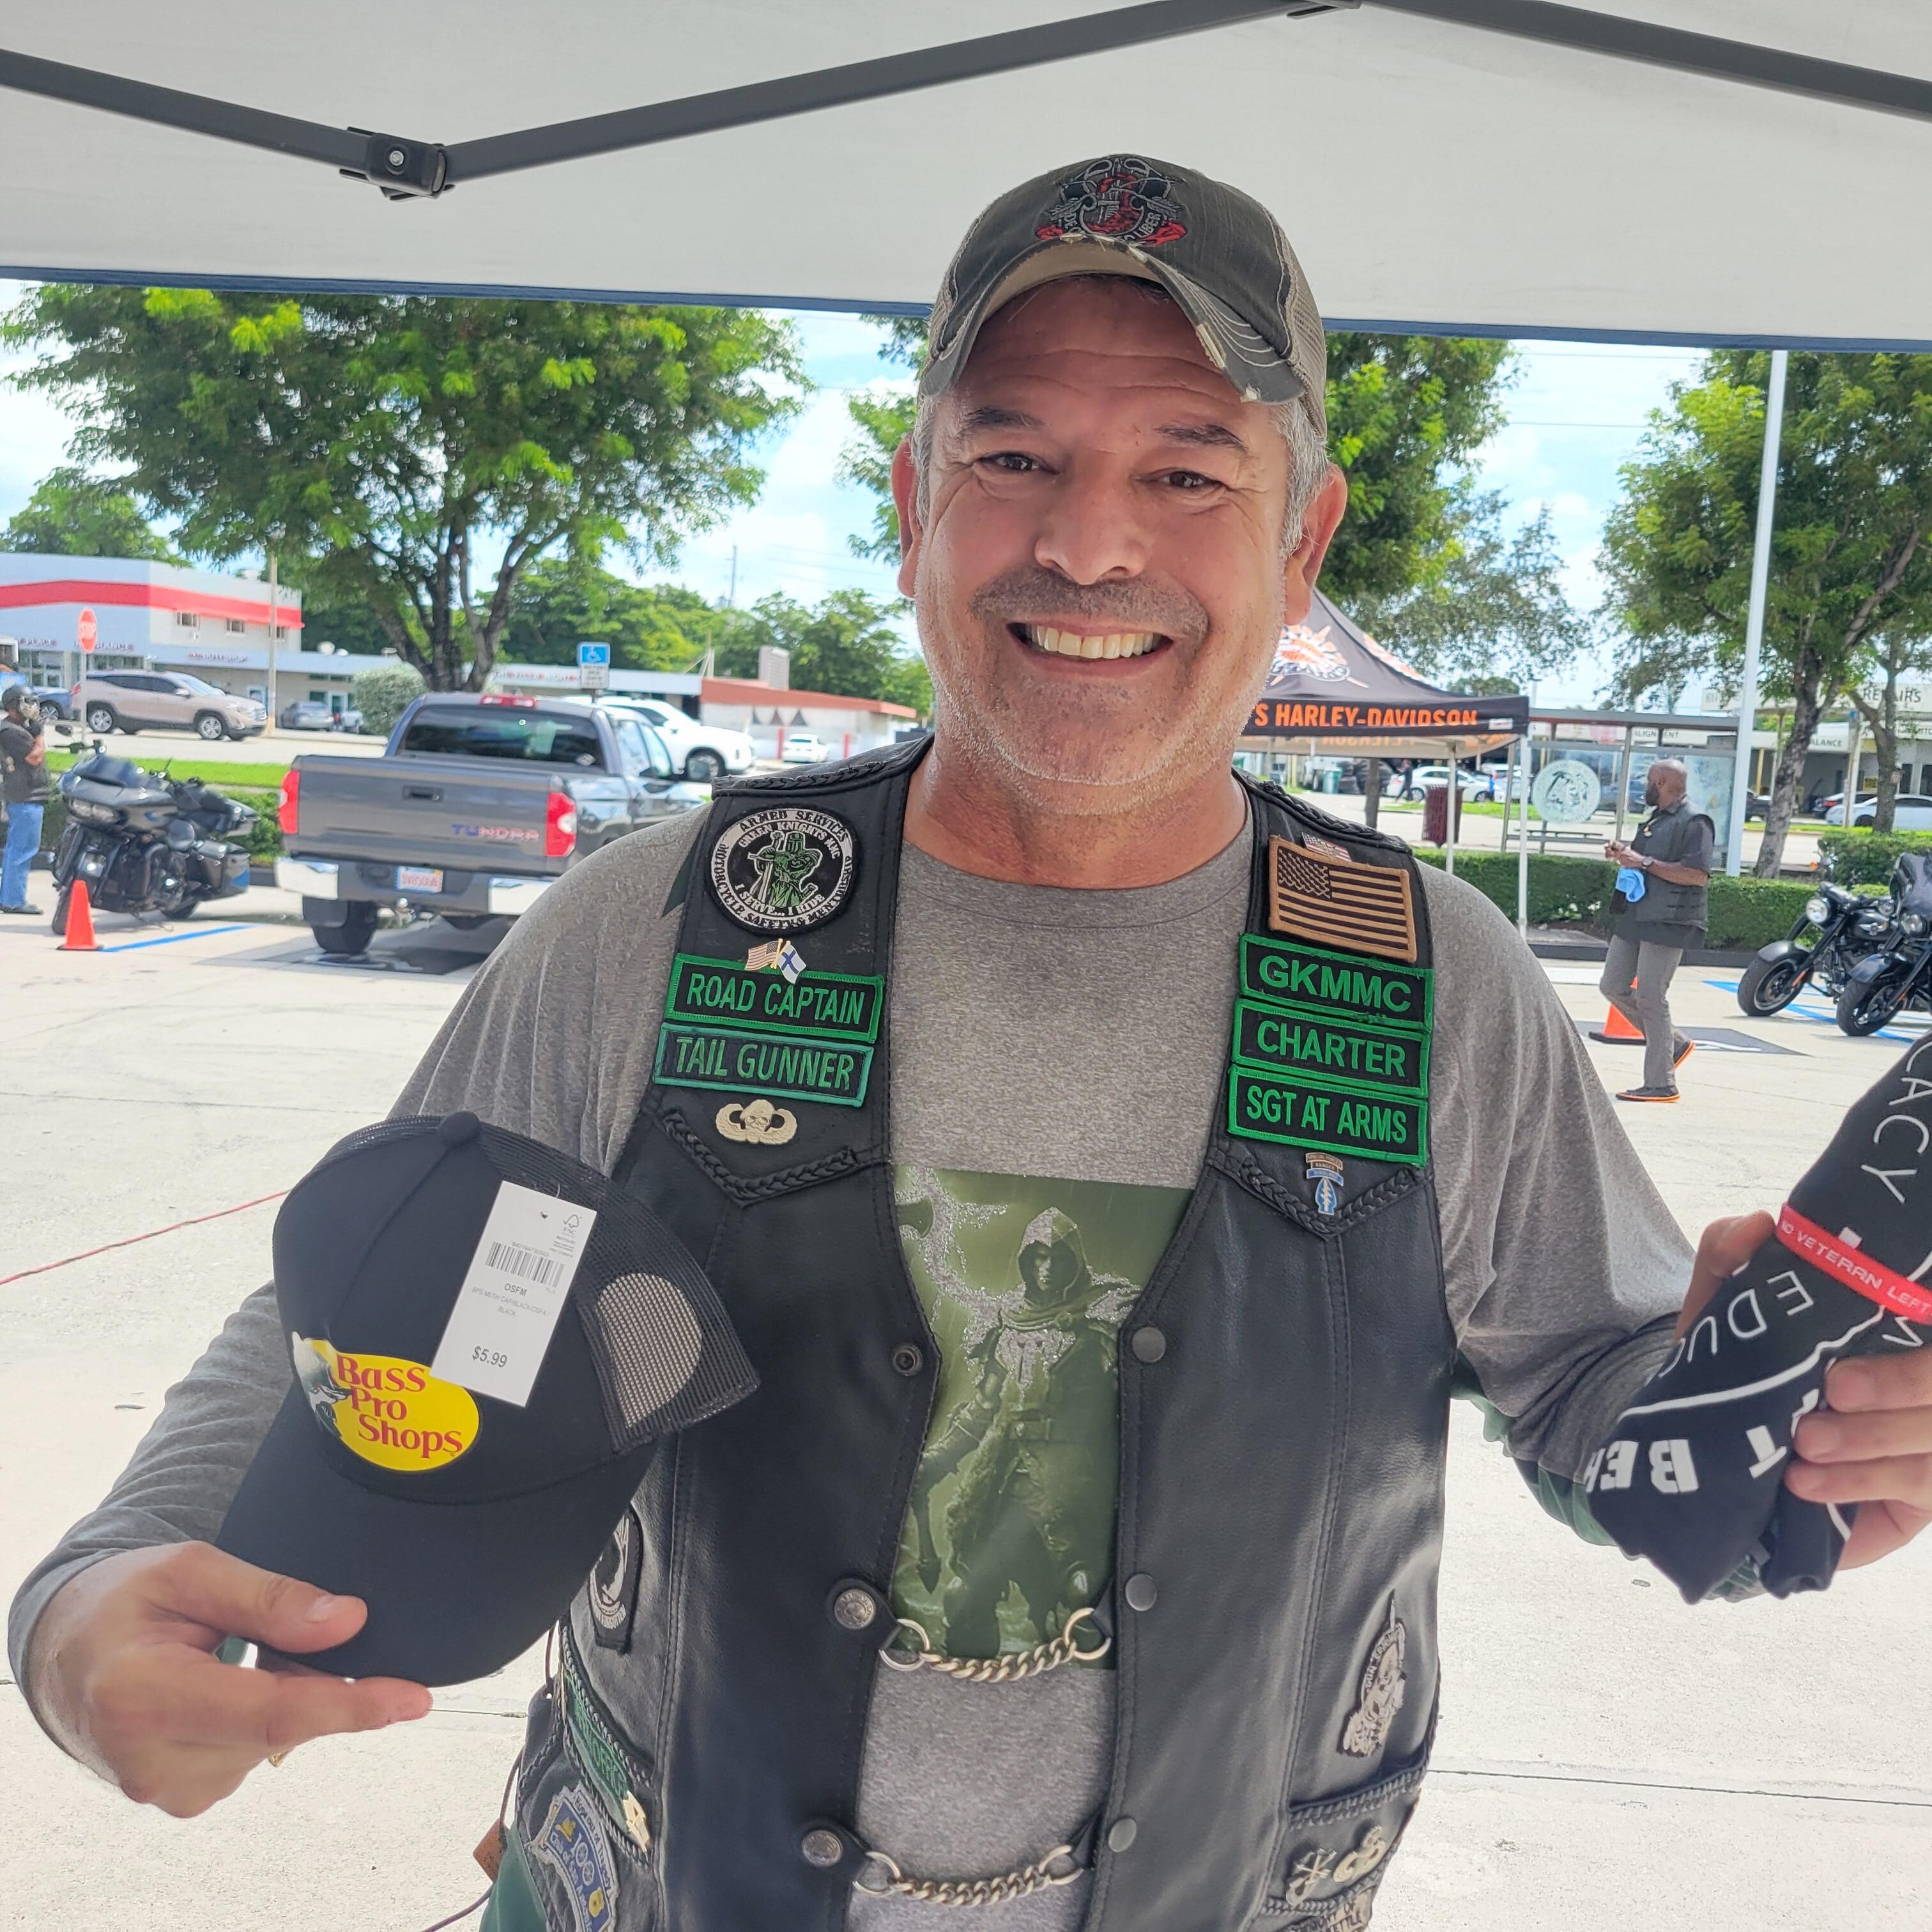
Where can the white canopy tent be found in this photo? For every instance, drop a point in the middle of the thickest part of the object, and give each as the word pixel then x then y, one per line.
pixel 1440 164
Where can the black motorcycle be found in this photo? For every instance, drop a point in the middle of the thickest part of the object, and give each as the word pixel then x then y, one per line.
pixel 1883 986
pixel 1849 926
pixel 145 842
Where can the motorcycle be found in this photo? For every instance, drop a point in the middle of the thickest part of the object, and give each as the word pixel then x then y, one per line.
pixel 1850 927
pixel 146 842
pixel 1882 987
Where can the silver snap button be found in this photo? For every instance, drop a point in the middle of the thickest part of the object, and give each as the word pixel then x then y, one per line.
pixel 1141 1592
pixel 854 1609
pixel 1121 1833
pixel 1149 1345
pixel 908 1359
pixel 822 1848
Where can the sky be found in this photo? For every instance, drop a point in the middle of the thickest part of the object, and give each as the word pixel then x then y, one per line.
pixel 1576 411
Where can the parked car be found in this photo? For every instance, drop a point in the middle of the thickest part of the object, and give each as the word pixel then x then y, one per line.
pixel 475 805
pixel 306 716
pixel 1912 813
pixel 56 700
pixel 804 748
pixel 145 700
pixel 701 752
pixel 1474 784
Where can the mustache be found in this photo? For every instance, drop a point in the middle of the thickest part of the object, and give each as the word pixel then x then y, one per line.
pixel 1032 594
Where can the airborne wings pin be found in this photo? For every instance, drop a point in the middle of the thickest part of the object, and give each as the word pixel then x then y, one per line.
pixel 1335 901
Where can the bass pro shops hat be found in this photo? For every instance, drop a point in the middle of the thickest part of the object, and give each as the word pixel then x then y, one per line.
pixel 1218 253
pixel 487 1338
pixel 1693 1475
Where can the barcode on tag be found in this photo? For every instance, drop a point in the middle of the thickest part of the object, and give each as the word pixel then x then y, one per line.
pixel 519 1278
pixel 506 1258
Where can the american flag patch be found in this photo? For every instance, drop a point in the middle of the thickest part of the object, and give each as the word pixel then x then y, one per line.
pixel 1340 902
pixel 1328 848
pixel 763 958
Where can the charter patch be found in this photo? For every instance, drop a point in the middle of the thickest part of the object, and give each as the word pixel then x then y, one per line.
pixel 1279 1041
pixel 731 1060
pixel 720 992
pixel 784 869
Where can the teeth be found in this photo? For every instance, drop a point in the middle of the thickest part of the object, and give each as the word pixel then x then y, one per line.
pixel 1072 644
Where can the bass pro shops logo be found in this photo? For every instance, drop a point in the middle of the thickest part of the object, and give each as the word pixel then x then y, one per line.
pixel 1122 200
pixel 390 1412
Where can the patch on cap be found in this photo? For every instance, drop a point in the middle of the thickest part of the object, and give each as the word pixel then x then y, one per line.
pixel 1121 199
pixel 389 1411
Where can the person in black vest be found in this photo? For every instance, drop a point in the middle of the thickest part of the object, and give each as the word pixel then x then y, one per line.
pixel 1663 908
pixel 1091 1580
pixel 23 774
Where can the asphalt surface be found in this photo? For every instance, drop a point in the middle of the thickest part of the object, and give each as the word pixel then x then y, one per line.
pixel 1607 1758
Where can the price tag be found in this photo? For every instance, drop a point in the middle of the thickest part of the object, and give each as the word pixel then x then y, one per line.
pixel 519 1280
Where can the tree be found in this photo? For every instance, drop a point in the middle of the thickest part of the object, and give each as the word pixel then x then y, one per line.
pixel 383 693
pixel 1850 564
pixel 72 514
pixel 557 604
pixel 849 644
pixel 394 448
pixel 1491 612
pixel 1873 688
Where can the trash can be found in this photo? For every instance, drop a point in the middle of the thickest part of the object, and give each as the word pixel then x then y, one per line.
pixel 1435 813
pixel 1331 779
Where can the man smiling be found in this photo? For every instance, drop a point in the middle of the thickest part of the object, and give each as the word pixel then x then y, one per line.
pixel 1076 1560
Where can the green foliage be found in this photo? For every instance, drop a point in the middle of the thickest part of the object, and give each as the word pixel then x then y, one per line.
pixel 376 441
pixel 224 776
pixel 560 604
pixel 73 514
pixel 1404 411
pixel 849 644
pixel 383 693
pixel 1850 564
pixel 1491 612
pixel 1866 858
pixel 1565 890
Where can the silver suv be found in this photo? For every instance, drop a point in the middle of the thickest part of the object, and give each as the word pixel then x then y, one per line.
pixel 137 700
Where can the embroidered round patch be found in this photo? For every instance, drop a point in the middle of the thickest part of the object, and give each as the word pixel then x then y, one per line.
pixel 783 870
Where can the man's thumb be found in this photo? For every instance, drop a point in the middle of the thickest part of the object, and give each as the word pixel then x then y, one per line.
pixel 239 1600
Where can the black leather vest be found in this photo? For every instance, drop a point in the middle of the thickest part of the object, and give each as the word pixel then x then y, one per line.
pixel 1281 1475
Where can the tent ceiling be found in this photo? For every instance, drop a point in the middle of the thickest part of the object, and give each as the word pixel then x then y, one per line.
pixel 1432 175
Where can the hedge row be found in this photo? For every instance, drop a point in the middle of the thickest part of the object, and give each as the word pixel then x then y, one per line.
pixel 1865 858
pixel 1745 913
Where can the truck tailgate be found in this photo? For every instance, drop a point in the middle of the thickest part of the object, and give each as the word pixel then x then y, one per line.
pixel 462 813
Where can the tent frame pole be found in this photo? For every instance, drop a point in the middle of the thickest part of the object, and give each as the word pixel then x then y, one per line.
pixel 1760 579
pixel 402 167
pixel 1522 846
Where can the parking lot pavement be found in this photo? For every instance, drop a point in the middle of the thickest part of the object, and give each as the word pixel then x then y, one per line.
pixel 275 746
pixel 1607 1757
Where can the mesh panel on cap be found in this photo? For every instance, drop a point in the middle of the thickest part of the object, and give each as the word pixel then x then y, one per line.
pixel 651 1346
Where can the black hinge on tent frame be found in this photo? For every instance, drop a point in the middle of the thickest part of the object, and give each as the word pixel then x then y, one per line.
pixel 406 169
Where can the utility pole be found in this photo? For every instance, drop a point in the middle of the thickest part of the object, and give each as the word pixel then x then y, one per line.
pixel 731 600
pixel 273 624
pixel 1767 509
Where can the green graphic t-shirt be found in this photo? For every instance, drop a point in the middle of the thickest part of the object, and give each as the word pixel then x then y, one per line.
pixel 1025 1281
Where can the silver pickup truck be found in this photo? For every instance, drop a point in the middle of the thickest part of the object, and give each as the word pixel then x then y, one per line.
pixel 476 806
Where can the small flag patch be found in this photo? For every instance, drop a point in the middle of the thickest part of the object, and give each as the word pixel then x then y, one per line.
pixel 1340 902
pixel 790 960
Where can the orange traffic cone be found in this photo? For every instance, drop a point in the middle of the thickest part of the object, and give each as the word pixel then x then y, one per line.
pixel 79 936
pixel 1615 1029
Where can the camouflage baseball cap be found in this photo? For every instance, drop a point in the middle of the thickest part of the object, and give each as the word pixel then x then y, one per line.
pixel 1218 253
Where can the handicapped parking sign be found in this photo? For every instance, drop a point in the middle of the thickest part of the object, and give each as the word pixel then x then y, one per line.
pixel 593 666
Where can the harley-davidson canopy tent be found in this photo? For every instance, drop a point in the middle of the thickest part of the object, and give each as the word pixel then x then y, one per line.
pixel 1695 170
pixel 1332 687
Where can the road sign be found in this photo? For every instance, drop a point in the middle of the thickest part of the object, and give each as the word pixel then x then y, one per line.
pixel 593 666
pixel 88 630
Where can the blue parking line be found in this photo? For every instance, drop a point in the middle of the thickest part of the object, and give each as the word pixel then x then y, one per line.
pixel 175 938
pixel 1821 1014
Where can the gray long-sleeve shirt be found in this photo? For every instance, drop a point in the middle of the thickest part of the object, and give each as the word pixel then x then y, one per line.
pixel 1025 1021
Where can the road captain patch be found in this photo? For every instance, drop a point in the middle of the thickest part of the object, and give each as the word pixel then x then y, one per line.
pixel 1340 902
pixel 785 869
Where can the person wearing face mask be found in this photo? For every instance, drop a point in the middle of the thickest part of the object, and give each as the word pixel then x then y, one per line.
pixel 1663 905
